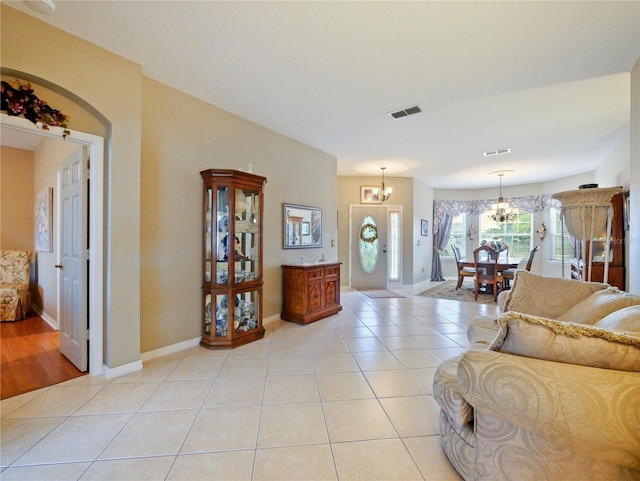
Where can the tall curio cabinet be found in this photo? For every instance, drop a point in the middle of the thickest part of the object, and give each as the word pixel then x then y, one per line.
pixel 232 258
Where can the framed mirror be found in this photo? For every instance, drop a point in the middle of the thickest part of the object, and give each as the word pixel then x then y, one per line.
pixel 302 226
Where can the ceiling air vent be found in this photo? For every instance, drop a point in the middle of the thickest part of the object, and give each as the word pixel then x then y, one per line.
pixel 490 153
pixel 405 112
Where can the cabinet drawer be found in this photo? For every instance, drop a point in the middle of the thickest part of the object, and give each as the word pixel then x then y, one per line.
pixel 333 271
pixel 314 275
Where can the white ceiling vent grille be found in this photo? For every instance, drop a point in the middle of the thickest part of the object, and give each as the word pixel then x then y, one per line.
pixel 490 153
pixel 398 114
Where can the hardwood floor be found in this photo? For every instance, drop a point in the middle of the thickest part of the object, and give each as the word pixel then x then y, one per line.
pixel 31 357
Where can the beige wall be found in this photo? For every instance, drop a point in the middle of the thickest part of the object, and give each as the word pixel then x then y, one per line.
pixel 16 199
pixel 112 86
pixel 403 195
pixel 422 254
pixel 153 188
pixel 614 171
pixel 181 137
pixel 153 192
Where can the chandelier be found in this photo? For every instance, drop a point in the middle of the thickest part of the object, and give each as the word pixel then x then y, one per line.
pixel 383 194
pixel 502 212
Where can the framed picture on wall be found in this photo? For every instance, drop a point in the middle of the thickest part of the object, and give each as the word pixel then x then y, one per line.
pixel 369 195
pixel 424 227
pixel 44 234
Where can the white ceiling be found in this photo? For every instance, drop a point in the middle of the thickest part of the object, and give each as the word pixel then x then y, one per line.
pixel 549 80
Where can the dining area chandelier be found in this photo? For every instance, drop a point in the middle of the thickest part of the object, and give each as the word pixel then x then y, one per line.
pixel 502 212
pixel 383 194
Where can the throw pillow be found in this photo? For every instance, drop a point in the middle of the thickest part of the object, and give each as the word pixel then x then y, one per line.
pixel 558 341
pixel 627 319
pixel 546 296
pixel 598 305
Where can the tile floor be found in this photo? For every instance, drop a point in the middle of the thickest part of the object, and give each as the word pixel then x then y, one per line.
pixel 345 398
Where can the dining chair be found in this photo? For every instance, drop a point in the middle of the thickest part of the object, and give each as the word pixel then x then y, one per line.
pixel 462 271
pixel 485 259
pixel 509 274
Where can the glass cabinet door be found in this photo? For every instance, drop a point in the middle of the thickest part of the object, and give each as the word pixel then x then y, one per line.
pixel 208 235
pixel 598 250
pixel 242 309
pixel 207 315
pixel 245 314
pixel 216 316
pixel 222 237
pixel 222 315
pixel 247 235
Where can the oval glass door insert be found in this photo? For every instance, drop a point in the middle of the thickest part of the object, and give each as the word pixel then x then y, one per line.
pixel 368 245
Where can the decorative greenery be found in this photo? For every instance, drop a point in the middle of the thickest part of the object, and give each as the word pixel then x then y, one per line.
pixel 368 233
pixel 19 99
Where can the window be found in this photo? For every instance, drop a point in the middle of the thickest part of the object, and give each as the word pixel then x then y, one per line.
pixel 457 236
pixel 517 235
pixel 555 233
pixel 393 225
pixel 368 245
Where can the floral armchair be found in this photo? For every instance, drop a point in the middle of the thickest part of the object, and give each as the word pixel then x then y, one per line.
pixel 15 298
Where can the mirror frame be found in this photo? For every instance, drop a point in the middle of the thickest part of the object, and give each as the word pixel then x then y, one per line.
pixel 305 214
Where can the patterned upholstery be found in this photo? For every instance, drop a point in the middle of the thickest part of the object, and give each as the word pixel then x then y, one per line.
pixel 15 298
pixel 518 417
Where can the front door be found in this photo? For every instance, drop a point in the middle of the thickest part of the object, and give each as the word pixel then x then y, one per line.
pixel 73 265
pixel 369 247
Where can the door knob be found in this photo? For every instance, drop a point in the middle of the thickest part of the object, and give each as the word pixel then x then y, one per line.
pixel 58 266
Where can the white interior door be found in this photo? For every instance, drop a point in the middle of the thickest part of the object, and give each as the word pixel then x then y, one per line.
pixel 366 274
pixel 74 254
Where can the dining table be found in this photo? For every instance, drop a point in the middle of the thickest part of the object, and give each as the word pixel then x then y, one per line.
pixel 504 263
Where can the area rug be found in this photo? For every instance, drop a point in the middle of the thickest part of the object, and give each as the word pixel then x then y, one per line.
pixel 447 290
pixel 379 293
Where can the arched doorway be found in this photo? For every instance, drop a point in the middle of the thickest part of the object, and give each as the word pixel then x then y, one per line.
pixel 95 227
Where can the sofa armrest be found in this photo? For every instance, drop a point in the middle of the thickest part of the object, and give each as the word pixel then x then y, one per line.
pixel 502 299
pixel 482 331
pixel 594 412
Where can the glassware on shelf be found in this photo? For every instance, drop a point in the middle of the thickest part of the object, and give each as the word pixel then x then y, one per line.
pixel 207 314
pixel 222 314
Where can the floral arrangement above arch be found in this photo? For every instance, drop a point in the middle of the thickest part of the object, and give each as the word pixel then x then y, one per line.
pixel 19 100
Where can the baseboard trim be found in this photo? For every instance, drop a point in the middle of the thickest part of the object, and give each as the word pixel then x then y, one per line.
pixel 270 320
pixel 45 317
pixel 164 351
pixel 110 373
pixel 181 346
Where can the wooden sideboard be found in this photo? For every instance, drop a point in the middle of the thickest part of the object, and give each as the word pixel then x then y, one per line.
pixel 310 291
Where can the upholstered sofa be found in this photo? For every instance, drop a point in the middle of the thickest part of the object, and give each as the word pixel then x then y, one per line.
pixel 548 390
pixel 15 298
